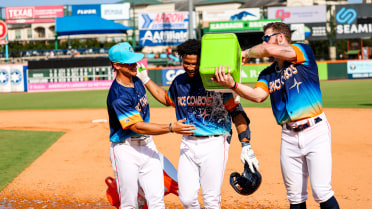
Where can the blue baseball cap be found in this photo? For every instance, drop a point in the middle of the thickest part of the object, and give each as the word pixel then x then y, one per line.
pixel 123 53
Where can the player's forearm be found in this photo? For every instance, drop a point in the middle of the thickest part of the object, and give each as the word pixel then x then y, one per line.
pixel 157 92
pixel 150 128
pixel 253 94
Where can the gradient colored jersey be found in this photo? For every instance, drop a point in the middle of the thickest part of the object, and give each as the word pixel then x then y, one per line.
pixel 207 110
pixel 294 90
pixel 126 106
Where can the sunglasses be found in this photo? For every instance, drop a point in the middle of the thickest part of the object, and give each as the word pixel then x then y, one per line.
pixel 266 38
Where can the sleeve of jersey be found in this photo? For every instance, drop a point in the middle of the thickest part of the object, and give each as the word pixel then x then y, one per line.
pixel 169 98
pixel 127 114
pixel 261 83
pixel 229 102
pixel 301 55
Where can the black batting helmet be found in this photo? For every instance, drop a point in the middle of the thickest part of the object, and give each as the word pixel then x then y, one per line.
pixel 247 183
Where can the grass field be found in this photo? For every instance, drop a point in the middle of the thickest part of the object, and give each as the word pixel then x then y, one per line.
pixel 340 94
pixel 19 149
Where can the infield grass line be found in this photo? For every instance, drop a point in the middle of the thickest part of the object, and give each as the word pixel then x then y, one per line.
pixel 19 148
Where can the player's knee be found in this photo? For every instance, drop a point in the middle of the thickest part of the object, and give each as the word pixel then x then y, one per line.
pixel 322 195
pixel 189 203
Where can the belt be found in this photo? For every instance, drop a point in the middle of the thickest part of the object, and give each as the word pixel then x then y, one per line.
pixel 203 137
pixel 302 126
pixel 137 141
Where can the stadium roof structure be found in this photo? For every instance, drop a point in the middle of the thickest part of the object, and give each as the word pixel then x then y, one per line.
pixel 141 2
pixel 87 24
pixel 205 2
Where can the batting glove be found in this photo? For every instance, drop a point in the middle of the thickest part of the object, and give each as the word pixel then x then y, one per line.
pixel 248 156
pixel 142 73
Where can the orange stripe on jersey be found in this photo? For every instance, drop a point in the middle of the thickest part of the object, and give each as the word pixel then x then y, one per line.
pixel 169 100
pixel 263 86
pixel 126 122
pixel 300 55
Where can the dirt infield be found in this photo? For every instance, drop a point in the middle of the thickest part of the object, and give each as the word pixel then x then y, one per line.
pixel 71 173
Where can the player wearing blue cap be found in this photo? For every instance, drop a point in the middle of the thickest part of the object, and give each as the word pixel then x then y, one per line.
pixel 133 154
pixel 204 154
pixel 292 82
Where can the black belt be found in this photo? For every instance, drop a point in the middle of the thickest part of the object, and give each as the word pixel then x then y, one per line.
pixel 302 126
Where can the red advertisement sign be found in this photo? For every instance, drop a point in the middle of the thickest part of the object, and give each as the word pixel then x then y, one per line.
pixel 33 14
pixel 3 29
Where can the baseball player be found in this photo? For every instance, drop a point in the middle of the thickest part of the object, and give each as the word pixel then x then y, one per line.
pixel 203 154
pixel 293 85
pixel 133 154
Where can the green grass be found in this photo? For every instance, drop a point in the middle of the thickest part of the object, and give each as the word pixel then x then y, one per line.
pixel 53 100
pixel 19 149
pixel 340 94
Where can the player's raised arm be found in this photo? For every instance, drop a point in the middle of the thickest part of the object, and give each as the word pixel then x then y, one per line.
pixel 156 91
pixel 257 95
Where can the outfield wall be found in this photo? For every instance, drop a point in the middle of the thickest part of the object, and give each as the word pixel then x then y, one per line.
pixel 96 73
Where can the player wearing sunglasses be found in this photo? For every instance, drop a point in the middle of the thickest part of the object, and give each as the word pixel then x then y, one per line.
pixel 292 82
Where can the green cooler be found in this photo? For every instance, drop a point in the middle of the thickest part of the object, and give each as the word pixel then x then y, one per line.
pixel 219 49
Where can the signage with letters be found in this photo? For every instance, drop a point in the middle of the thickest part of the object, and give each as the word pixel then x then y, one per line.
pixel 35 14
pixel 353 21
pixel 308 14
pixel 162 37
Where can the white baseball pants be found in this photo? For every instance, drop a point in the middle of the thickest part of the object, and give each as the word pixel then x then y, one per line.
pixel 202 163
pixel 138 165
pixel 307 154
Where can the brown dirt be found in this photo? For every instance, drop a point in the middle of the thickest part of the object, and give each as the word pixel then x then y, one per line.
pixel 71 173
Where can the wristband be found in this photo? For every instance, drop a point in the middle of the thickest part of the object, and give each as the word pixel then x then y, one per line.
pixel 145 80
pixel 170 127
pixel 235 86
pixel 245 144
pixel 248 53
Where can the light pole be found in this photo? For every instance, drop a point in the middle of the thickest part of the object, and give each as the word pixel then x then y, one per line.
pixel 191 20
pixel 134 25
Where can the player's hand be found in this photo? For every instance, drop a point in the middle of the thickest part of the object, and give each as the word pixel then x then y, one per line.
pixel 222 78
pixel 248 156
pixel 142 73
pixel 180 127
pixel 245 58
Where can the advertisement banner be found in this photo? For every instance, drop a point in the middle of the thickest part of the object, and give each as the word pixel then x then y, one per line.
pixel 232 15
pixel 68 86
pixel 33 14
pixel 309 14
pixel 168 74
pixel 17 78
pixel 162 37
pixel 254 25
pixel 91 9
pixel 250 72
pixel 315 31
pixel 115 11
pixel 353 21
pixel 5 83
pixel 359 69
pixel 165 20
